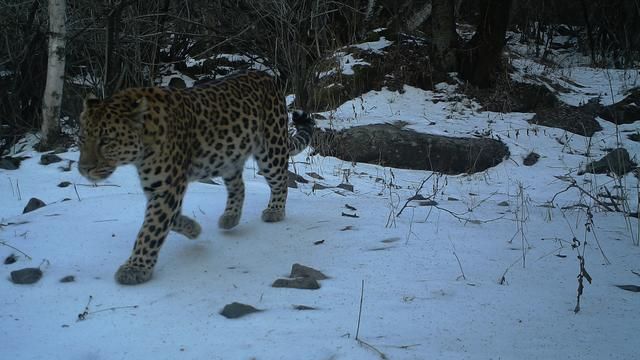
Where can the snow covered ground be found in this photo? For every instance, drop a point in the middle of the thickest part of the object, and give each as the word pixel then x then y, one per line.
pixel 487 273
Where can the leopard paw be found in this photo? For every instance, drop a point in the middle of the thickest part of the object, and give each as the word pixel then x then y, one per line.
pixel 187 227
pixel 132 275
pixel 228 221
pixel 272 215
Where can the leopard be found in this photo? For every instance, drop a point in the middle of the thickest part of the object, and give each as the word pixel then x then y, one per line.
pixel 177 136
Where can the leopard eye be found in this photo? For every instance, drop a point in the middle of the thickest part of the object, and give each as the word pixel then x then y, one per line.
pixel 106 140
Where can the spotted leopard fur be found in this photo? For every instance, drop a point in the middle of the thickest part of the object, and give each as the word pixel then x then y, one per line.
pixel 177 136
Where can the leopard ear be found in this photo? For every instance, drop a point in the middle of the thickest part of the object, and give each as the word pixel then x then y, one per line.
pixel 90 101
pixel 139 109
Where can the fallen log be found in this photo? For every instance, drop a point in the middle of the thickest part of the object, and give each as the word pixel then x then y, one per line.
pixel 390 145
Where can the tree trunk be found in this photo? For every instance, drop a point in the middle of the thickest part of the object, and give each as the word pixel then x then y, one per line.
pixel 444 35
pixel 24 98
pixel 52 98
pixel 483 54
pixel 112 62
pixel 160 22
pixel 585 14
pixel 113 67
pixel 419 16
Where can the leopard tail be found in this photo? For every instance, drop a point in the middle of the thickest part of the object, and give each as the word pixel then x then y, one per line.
pixel 301 138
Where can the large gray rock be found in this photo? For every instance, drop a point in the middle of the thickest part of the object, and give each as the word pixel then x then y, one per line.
pixel 578 120
pixel 626 111
pixel 617 161
pixel 391 145
pixel 10 163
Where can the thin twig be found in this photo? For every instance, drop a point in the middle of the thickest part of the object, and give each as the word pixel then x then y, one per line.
pixel 97 185
pixel 367 345
pixel 415 195
pixel 460 217
pixel 13 193
pixel 573 183
pixel 15 248
pixel 459 265
pixel 590 227
pixel 360 341
pixel 75 188
pixel 83 316
pixel 521 217
pixel 413 213
pixel 360 309
pixel 503 278
pixel 612 198
pixel 583 274
pixel 114 308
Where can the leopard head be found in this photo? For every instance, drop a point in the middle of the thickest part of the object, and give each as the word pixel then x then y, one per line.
pixel 111 134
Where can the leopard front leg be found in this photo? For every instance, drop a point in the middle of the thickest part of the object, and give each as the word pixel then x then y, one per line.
pixel 162 209
pixel 182 224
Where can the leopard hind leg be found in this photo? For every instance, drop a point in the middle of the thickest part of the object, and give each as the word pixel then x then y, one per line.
pixel 274 170
pixel 235 199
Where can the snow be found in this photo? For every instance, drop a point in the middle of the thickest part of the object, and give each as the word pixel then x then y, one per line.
pixel 374 46
pixel 432 275
pixel 582 83
pixel 346 61
pixel 257 62
pixel 569 69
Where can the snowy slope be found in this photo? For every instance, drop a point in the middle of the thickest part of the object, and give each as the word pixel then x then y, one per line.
pixel 432 276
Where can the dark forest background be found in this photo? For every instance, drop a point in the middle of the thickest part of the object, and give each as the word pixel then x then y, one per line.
pixel 111 45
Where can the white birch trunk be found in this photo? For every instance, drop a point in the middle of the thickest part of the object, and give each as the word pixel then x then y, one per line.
pixel 52 98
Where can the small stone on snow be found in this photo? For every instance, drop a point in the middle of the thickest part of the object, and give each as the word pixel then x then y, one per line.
pixel 297 283
pixel 26 276
pixel 33 204
pixel 68 279
pixel 298 270
pixel 10 259
pixel 236 310
pixel 47 159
